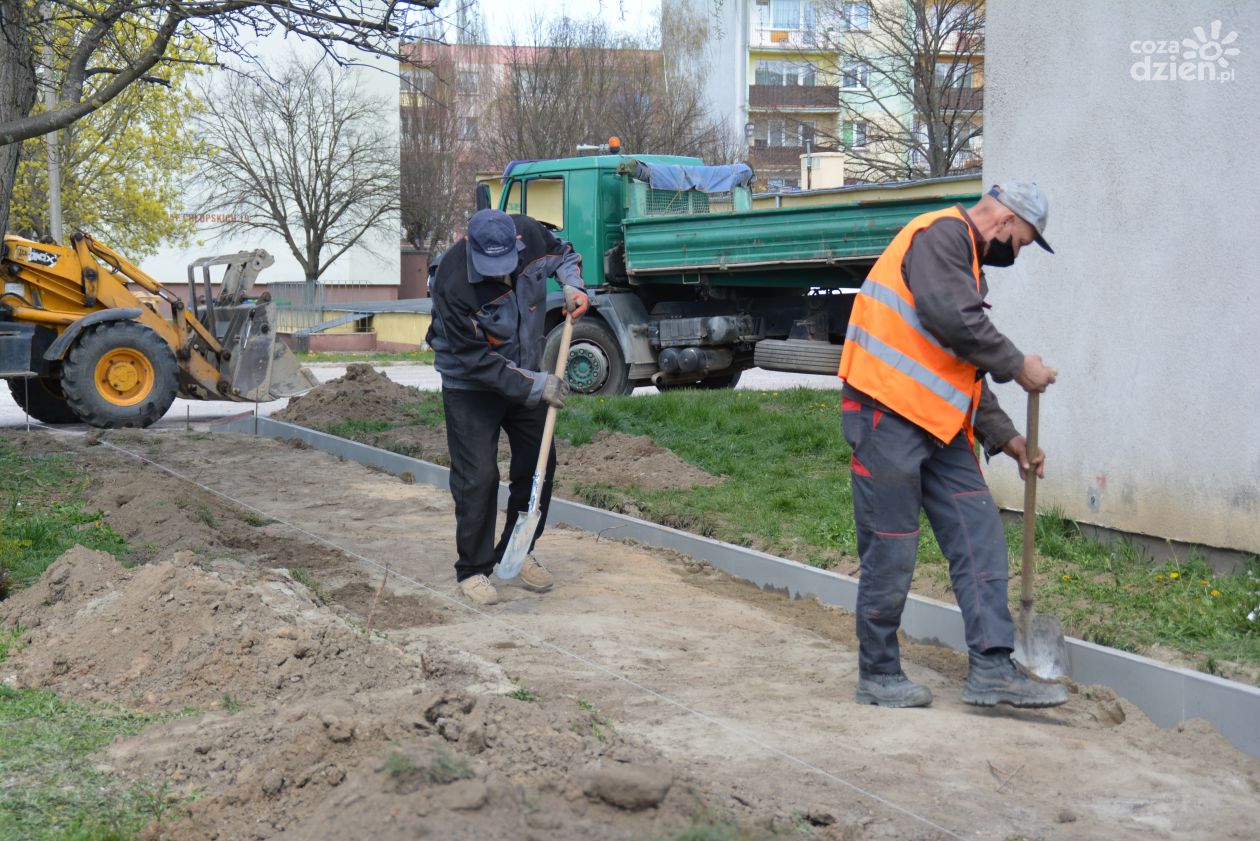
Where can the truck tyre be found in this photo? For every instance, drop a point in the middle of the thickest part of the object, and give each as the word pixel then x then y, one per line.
pixel 708 383
pixel 596 363
pixel 42 399
pixel 797 355
pixel 119 374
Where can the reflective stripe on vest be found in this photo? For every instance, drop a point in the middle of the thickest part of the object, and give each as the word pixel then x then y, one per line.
pixel 890 356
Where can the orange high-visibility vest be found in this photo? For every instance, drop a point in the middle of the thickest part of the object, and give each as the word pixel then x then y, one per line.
pixel 891 357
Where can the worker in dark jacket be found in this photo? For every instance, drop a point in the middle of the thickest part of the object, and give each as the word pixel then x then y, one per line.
pixel 915 401
pixel 489 309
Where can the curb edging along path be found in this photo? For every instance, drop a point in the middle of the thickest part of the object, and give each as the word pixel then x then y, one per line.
pixel 1167 694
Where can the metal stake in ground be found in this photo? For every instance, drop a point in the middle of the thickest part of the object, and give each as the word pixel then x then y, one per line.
pixel 1039 643
pixel 527 521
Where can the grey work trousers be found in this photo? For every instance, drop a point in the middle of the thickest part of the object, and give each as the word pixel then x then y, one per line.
pixel 897 469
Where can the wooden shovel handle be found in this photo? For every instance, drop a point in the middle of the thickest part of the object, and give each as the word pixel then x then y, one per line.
pixel 1030 503
pixel 549 427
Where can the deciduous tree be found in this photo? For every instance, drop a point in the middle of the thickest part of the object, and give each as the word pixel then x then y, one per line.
pixel 101 60
pixel 300 151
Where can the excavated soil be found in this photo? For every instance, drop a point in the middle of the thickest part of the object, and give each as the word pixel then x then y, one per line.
pixel 655 691
pixel 609 458
pixel 361 393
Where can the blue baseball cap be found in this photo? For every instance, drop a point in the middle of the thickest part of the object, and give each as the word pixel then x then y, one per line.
pixel 493 243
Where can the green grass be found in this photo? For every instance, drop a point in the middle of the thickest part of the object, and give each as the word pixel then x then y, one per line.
pixel 520 693
pixel 308 580
pixel 52 790
pixel 787 492
pixel 42 515
pixel 420 357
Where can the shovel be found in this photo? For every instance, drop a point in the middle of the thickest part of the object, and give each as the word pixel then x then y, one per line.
pixel 1039 644
pixel 527 521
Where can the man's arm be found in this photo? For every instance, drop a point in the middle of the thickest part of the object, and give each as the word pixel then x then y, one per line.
pixel 456 305
pixel 937 268
pixel 998 435
pixel 993 426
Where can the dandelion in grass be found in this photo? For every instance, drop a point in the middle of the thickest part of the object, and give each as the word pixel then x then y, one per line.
pixel 1174 575
pixel 1159 577
pixel 1216 594
pixel 1067 578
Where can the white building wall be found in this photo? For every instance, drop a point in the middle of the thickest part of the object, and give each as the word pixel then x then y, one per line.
pixel 374 261
pixel 725 61
pixel 1150 308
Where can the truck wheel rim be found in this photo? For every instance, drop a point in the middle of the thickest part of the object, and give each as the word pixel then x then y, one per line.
pixel 588 368
pixel 124 376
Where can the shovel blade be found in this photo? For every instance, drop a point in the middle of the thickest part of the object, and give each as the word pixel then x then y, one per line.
pixel 522 535
pixel 1040 647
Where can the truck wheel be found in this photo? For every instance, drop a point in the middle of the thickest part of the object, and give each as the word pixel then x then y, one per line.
pixel 797 355
pixel 708 383
pixel 119 374
pixel 41 397
pixel 596 364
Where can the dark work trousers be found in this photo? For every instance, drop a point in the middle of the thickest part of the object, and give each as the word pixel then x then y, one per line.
pixel 473 421
pixel 896 469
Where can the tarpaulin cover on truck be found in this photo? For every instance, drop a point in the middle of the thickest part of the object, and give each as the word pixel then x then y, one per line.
pixel 706 179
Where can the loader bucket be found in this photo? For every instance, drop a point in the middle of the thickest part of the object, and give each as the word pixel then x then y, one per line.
pixel 258 367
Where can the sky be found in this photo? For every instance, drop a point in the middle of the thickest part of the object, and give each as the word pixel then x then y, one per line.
pixel 624 16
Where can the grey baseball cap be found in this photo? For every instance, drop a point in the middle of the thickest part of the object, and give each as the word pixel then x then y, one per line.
pixel 1029 203
pixel 492 243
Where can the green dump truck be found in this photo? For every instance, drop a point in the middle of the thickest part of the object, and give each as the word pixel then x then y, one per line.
pixel 693 279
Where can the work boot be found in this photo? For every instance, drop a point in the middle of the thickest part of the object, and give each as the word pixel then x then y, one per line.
pixel 895 690
pixel 479 590
pixel 535 576
pixel 997 679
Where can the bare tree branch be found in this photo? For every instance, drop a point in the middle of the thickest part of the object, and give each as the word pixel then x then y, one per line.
pixel 300 153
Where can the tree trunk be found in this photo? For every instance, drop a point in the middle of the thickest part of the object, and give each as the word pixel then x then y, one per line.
pixel 17 92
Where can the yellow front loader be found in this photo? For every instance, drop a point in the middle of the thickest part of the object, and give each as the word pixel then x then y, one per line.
pixel 83 339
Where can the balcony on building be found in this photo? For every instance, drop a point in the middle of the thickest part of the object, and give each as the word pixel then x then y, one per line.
pixel 794 97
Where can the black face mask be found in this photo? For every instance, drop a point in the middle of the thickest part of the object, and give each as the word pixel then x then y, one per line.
pixel 1000 253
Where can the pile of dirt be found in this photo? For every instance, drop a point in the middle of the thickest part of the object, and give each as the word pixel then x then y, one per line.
pixel 311 728
pixel 626 461
pixel 363 393
pixel 177 634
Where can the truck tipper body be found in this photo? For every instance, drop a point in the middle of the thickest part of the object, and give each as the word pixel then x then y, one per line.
pixel 693 279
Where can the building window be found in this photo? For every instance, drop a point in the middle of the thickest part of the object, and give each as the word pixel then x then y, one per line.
pixel 770 72
pixel 856 17
pixel 469 81
pixel 468 128
pixel 855 134
pixel 776 135
pixel 953 74
pixel 854 75
pixel 808 129
pixel 792 14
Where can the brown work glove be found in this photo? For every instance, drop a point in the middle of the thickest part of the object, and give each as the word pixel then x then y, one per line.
pixel 555 391
pixel 575 302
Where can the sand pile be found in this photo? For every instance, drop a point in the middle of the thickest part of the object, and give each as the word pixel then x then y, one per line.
pixel 363 393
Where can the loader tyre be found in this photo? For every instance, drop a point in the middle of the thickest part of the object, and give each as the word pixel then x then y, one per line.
pixel 596 363
pixel 119 374
pixel 42 399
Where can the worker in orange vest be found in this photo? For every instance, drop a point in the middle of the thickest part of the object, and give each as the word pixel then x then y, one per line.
pixel 915 401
